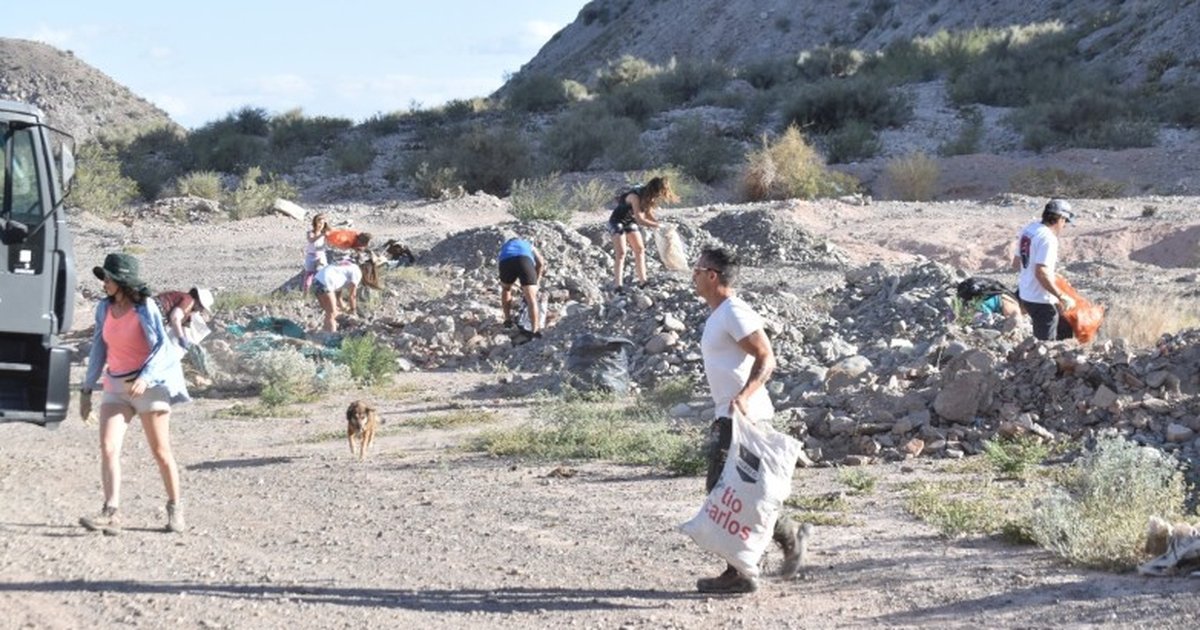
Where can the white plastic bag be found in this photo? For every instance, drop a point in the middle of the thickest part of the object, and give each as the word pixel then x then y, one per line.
pixel 196 329
pixel 737 518
pixel 524 322
pixel 671 250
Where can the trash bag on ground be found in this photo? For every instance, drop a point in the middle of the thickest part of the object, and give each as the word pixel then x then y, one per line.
pixel 671 250
pixel 1085 318
pixel 598 362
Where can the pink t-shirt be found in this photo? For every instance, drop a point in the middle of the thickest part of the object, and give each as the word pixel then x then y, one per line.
pixel 126 341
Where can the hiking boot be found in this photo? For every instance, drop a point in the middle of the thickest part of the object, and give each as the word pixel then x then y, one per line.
pixel 175 522
pixel 728 583
pixel 107 521
pixel 793 540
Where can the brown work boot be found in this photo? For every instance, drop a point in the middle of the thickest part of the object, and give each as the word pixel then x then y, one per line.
pixel 175 522
pixel 793 539
pixel 107 521
pixel 731 582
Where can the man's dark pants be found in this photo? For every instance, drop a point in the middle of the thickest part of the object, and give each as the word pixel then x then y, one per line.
pixel 1044 318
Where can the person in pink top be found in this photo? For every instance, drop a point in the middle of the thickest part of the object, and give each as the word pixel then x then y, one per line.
pixel 132 359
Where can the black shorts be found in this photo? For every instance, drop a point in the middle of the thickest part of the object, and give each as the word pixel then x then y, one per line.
pixel 617 229
pixel 518 267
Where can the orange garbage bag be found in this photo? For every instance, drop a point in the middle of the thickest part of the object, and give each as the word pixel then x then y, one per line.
pixel 1086 317
pixel 341 239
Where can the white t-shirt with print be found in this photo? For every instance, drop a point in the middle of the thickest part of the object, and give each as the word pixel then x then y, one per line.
pixel 1037 245
pixel 334 277
pixel 726 365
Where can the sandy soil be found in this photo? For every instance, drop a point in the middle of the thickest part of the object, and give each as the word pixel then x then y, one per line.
pixel 288 531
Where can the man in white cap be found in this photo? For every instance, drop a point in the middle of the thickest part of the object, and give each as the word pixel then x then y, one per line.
pixel 1037 257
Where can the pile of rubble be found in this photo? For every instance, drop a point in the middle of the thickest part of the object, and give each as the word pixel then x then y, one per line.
pixel 876 366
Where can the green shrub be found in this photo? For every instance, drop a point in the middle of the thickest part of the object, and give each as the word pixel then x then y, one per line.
pixel 699 149
pixel 384 124
pixel 255 194
pixel 154 158
pixel 354 154
pixel 203 184
pixel 487 158
pixel 832 103
pixel 369 360
pixel 769 73
pixel 583 134
pixel 99 186
pixel 1015 457
pixel 286 376
pixel 682 82
pixel 295 137
pixel 541 198
pixel 232 144
pixel 590 196
pixel 790 168
pixel 1098 519
pixel 638 101
pixel 436 182
pixel 857 479
pixel 670 392
pixel 830 61
pixel 536 93
pixel 854 141
pixel 912 177
pixel 624 71
pixel 1096 118
pixel 1053 182
pixel 969 135
pixel 1179 106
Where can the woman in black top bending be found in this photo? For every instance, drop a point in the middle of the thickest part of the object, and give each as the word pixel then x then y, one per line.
pixel 635 208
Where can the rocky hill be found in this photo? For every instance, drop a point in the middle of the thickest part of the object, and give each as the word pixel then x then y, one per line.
pixel 76 97
pixel 738 32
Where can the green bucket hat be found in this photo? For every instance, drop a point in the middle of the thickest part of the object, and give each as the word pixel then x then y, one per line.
pixel 123 269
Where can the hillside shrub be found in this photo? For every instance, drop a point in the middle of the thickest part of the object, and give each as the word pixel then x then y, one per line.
pixel 969 134
pixel 1092 118
pixel 436 182
pixel 484 158
pixel 830 61
pixel 769 73
pixel 536 93
pixel 232 144
pixel 154 158
pixel 624 71
pixel 699 149
pixel 353 155
pixel 830 104
pixel 682 82
pixel 369 360
pixel 789 168
pixel 1179 106
pixel 295 136
pixel 99 186
pixel 1143 317
pixel 540 198
pixel 1098 517
pixel 582 134
pixel 854 141
pixel 637 101
pixel 255 194
pixel 203 184
pixel 286 376
pixel 1054 182
pixel 912 177
pixel 590 196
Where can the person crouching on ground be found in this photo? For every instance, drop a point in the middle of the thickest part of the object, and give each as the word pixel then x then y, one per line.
pixel 1036 257
pixel 738 361
pixel 178 307
pixel 520 260
pixel 329 282
pixel 635 208
pixel 140 377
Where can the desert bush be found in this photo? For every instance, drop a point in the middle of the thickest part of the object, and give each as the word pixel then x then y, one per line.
pixel 232 144
pixel 153 158
pixel 829 104
pixel 790 168
pixel 699 149
pixel 905 61
pixel 255 194
pixel 536 93
pixel 637 101
pixel 624 71
pixel 1098 518
pixel 969 135
pixel 959 508
pixel 203 184
pixel 1141 320
pixel 383 124
pixel 606 430
pixel 1178 106
pixel 830 61
pixel 295 136
pixel 681 82
pixel 590 196
pixel 854 141
pixel 540 198
pixel 436 182
pixel 1089 118
pixel 287 377
pixel 858 480
pixel 354 154
pixel 487 158
pixel 1053 182
pixel 332 378
pixel 1015 457
pixel 769 73
pixel 370 360
pixel 912 177
pixel 670 392
pixel 583 134
pixel 99 186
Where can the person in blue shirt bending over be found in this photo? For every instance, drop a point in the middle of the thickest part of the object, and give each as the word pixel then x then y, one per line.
pixel 520 260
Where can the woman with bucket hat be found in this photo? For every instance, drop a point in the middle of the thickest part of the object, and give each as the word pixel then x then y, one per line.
pixel 130 359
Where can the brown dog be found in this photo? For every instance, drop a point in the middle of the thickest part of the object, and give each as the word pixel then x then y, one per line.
pixel 361 422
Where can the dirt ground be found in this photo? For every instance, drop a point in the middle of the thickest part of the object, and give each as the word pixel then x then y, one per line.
pixel 287 530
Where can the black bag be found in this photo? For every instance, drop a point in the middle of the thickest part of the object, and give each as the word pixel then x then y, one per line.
pixel 597 362
pixel 976 288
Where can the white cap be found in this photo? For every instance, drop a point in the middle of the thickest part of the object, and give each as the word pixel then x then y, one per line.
pixel 206 298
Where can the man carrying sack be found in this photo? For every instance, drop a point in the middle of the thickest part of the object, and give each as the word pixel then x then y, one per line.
pixel 750 487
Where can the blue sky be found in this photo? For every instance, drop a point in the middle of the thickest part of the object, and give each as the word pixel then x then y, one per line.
pixel 351 59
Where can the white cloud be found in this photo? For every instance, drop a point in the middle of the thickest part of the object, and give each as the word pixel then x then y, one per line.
pixel 59 38
pixel 284 85
pixel 160 53
pixel 538 32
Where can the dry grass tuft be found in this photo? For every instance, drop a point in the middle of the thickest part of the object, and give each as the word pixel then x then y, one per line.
pixel 912 177
pixel 1142 321
pixel 791 168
